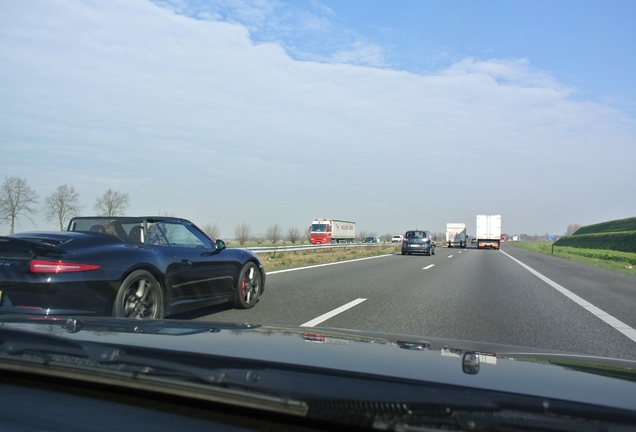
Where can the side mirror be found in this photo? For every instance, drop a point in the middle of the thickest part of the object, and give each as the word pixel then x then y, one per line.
pixel 220 244
pixel 470 363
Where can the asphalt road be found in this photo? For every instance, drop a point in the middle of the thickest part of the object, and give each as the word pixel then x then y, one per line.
pixel 510 296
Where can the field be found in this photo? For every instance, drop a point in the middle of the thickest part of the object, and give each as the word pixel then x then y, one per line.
pixel 281 260
pixel 610 245
pixel 623 262
pixel 616 235
pixel 289 259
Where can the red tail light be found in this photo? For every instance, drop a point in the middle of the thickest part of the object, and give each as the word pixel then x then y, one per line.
pixel 42 266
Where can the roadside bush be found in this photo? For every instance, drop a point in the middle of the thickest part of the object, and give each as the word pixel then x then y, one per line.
pixel 619 225
pixel 604 255
pixel 617 241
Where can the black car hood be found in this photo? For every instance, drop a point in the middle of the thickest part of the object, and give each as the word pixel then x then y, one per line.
pixel 549 374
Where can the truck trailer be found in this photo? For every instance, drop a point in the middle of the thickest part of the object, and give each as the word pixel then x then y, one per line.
pixel 488 231
pixel 325 231
pixel 456 235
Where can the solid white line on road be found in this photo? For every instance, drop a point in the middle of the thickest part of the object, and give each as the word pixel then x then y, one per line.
pixel 429 266
pixel 327 264
pixel 333 313
pixel 599 313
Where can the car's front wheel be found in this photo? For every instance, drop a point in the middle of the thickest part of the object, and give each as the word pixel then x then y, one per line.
pixel 140 296
pixel 249 286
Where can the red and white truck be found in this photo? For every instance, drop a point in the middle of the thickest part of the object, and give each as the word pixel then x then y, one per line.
pixel 325 231
pixel 488 231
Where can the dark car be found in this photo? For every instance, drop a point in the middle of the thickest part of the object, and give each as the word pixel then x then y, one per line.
pixel 202 375
pixel 136 267
pixel 418 241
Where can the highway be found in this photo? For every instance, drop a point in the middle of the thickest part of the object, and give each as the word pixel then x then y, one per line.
pixel 510 296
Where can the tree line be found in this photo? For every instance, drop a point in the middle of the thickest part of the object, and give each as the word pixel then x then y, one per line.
pixel 18 200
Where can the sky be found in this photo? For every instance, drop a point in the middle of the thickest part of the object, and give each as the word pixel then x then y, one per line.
pixel 395 114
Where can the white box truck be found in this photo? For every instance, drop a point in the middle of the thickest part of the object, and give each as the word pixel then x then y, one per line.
pixel 488 232
pixel 456 235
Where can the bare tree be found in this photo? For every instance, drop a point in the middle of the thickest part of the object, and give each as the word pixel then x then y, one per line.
pixel 212 231
pixel 16 197
pixel 242 233
pixel 273 233
pixel 293 235
pixel 112 203
pixel 62 205
pixel 572 228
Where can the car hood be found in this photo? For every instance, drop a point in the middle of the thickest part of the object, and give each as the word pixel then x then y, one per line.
pixel 528 371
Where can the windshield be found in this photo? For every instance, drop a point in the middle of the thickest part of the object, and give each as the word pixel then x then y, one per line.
pixel 415 234
pixel 205 161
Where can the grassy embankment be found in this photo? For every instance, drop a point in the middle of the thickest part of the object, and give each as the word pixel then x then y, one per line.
pixel 610 245
pixel 290 259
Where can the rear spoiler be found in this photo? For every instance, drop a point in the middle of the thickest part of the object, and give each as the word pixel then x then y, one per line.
pixel 11 247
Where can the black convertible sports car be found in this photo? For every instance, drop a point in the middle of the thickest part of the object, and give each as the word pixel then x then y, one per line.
pixel 135 267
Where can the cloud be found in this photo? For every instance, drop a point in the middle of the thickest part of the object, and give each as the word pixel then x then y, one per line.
pixel 192 117
pixel 362 54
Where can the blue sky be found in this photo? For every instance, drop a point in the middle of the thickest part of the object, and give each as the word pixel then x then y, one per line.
pixel 396 114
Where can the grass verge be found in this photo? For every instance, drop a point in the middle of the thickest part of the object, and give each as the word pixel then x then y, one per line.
pixel 290 259
pixel 623 262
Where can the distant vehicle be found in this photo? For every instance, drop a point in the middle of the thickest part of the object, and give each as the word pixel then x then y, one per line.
pixel 418 241
pixel 397 238
pixel 371 240
pixel 488 231
pixel 325 231
pixel 128 267
pixel 456 234
pixel 515 238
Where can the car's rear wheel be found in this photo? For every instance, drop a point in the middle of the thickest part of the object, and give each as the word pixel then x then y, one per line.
pixel 140 296
pixel 249 286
